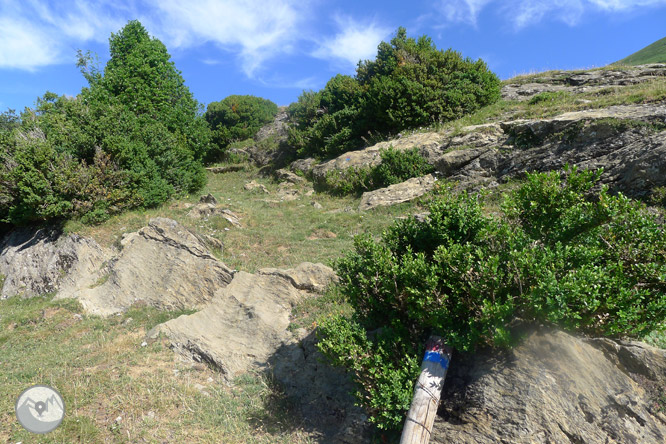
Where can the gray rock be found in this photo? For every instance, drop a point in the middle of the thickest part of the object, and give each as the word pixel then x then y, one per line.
pixel 208 199
pixel 253 185
pixel 226 169
pixel 316 205
pixel 205 210
pixel 370 157
pixel 37 261
pixel 286 175
pixel 554 388
pixel 163 265
pixel 306 276
pixel 394 194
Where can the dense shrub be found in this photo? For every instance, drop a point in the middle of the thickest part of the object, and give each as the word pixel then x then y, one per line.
pixel 237 118
pixel 134 137
pixel 410 84
pixel 596 266
pixel 396 166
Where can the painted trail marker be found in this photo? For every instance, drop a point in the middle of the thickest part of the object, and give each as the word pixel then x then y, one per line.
pixel 427 393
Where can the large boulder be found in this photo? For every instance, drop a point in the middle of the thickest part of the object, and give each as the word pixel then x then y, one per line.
pixel 555 388
pixel 398 193
pixel 163 265
pixel 35 261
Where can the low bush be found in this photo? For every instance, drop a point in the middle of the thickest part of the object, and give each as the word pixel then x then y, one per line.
pixel 396 166
pixel 595 265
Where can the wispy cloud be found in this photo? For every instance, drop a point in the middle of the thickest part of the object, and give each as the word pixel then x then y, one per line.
pixel 256 29
pixel 354 41
pixel 524 13
pixel 35 34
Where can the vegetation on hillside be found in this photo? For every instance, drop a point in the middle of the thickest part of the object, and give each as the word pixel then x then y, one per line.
pixel 396 166
pixel 597 266
pixel 237 118
pixel 133 138
pixel 410 84
pixel 653 53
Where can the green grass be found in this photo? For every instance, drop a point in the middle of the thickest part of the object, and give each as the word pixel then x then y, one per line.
pixel 653 53
pixel 275 233
pixel 103 373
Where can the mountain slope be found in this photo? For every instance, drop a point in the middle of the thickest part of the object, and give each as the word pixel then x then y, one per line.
pixel 654 53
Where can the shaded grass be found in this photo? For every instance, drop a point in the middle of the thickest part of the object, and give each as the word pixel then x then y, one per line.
pixel 117 390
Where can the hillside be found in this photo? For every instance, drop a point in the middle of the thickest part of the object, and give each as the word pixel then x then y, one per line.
pixel 654 53
pixel 196 321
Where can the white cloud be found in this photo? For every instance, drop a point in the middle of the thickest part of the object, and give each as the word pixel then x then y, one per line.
pixel 354 41
pixel 524 13
pixel 25 46
pixel 34 33
pixel 257 29
pixel 462 10
pixel 37 33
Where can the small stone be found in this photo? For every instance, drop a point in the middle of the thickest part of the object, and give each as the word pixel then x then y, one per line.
pixel 316 204
pixel 144 343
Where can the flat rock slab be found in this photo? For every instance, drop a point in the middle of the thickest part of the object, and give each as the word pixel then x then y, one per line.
pixel 398 193
pixel 163 265
pixel 245 322
pixel 555 388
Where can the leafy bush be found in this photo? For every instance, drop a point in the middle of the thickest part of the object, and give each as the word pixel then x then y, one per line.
pixel 396 166
pixel 237 118
pixel 596 266
pixel 134 137
pixel 410 84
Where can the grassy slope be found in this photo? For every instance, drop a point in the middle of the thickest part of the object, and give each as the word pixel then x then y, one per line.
pixel 654 53
pixel 104 373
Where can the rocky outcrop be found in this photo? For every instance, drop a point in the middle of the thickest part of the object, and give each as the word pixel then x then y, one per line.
pixel 37 261
pixel 163 265
pixel 370 157
pixel 627 141
pixel 524 88
pixel 244 328
pixel 398 193
pixel 555 388
pixel 247 320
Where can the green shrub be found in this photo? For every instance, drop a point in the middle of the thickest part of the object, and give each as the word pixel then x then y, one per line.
pixel 237 118
pixel 596 266
pixel 396 166
pixel 410 84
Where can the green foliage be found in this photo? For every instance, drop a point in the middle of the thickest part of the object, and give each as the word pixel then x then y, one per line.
pixel 410 84
pixel 593 265
pixel 237 118
pixel 396 166
pixel 133 138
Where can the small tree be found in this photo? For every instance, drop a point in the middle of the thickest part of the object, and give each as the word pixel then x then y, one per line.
pixel 596 266
pixel 237 118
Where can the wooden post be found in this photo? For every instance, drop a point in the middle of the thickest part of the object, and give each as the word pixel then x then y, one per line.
pixel 423 410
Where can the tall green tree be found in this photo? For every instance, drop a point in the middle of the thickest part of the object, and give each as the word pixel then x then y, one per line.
pixel 133 137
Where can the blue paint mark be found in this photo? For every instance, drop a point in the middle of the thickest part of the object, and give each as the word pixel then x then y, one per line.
pixel 438 358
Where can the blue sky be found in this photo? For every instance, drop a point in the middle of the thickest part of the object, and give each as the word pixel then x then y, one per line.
pixel 277 48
